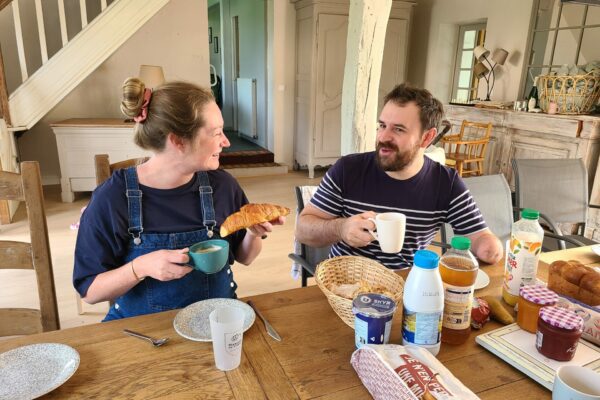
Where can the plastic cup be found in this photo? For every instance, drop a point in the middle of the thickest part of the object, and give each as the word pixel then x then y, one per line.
pixel 226 327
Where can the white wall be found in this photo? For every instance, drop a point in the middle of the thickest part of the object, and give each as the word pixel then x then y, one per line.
pixel 175 38
pixel 434 36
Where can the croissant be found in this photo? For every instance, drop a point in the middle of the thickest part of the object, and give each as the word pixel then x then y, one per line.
pixel 252 214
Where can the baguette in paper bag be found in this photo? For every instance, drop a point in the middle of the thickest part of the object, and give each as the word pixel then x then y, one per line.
pixel 394 372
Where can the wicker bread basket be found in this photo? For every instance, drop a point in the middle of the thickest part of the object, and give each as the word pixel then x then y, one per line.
pixel 573 94
pixel 352 269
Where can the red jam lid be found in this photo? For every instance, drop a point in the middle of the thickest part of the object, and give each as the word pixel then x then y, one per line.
pixel 538 294
pixel 561 318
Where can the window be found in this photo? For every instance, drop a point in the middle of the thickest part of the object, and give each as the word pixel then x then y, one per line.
pixel 465 83
pixel 563 34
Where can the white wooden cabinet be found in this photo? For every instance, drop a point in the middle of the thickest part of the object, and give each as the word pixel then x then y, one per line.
pixel 79 140
pixel 321 31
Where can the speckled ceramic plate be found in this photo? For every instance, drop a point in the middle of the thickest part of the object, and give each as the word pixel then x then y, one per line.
pixel 192 322
pixel 31 371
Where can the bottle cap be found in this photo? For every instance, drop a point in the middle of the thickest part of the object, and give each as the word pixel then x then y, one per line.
pixel 426 259
pixel 530 213
pixel 461 243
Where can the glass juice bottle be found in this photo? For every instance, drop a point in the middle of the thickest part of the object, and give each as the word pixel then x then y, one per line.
pixel 458 269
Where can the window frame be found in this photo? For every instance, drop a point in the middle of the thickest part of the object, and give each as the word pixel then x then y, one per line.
pixel 553 29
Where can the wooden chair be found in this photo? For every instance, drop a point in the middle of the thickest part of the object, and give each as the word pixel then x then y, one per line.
pixel 465 151
pixel 104 170
pixel 27 187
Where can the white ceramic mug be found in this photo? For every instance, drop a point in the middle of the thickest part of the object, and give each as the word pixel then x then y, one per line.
pixel 390 231
pixel 573 382
pixel 227 332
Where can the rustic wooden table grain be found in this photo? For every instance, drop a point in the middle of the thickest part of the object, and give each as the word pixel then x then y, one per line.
pixel 312 361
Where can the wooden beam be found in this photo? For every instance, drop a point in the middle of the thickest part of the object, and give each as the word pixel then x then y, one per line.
pixel 4 110
pixel 4 3
pixel 367 25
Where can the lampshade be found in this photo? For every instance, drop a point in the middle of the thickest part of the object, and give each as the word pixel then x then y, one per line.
pixel 151 75
pixel 480 53
pixel 499 56
pixel 480 69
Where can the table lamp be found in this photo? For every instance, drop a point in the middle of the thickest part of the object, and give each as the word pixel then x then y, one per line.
pixel 483 71
pixel 151 75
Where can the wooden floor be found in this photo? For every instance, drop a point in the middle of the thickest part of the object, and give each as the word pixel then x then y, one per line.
pixel 269 273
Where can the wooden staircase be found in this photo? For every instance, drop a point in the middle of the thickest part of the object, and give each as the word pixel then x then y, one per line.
pixel 58 75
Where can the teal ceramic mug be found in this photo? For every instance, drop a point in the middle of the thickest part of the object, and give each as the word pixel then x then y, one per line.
pixel 209 256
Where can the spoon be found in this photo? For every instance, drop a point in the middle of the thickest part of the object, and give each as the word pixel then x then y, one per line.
pixel 155 342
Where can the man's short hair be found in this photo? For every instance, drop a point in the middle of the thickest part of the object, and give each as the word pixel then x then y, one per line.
pixel 431 109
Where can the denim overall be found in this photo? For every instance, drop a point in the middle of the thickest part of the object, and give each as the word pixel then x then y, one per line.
pixel 151 295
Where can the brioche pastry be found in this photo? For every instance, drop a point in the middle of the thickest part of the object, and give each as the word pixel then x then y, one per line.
pixel 573 279
pixel 252 214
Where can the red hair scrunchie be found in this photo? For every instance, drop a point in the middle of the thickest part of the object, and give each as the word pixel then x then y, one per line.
pixel 144 111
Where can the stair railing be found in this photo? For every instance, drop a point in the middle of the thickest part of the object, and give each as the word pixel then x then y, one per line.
pixel 23 53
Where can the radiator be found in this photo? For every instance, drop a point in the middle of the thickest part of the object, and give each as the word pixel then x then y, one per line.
pixel 246 107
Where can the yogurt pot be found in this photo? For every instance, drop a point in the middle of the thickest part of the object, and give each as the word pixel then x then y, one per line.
pixel 373 315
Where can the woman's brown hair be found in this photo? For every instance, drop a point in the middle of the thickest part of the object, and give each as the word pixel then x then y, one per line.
pixel 173 107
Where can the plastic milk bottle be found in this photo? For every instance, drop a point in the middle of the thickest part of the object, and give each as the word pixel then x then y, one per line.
pixel 423 302
pixel 522 255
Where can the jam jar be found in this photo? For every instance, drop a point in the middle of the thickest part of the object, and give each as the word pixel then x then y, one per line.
pixel 531 299
pixel 558 333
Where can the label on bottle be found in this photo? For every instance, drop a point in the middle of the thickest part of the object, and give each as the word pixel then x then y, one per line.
pixel 457 306
pixel 421 328
pixel 521 261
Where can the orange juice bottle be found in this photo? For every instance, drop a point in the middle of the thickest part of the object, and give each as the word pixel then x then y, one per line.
pixel 522 255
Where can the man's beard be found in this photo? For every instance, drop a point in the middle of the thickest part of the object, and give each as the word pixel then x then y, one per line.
pixel 397 161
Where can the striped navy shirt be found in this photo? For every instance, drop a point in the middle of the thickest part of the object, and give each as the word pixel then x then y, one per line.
pixel 355 184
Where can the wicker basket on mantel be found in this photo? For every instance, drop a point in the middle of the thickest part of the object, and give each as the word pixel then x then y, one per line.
pixel 573 94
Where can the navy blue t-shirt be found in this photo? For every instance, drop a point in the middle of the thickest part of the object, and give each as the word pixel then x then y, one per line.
pixel 102 240
pixel 434 196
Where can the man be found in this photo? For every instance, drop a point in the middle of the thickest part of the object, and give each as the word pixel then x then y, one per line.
pixel 396 177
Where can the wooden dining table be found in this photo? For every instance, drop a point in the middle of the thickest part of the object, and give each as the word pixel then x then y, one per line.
pixel 312 361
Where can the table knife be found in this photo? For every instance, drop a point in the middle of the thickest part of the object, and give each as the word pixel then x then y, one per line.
pixel 270 330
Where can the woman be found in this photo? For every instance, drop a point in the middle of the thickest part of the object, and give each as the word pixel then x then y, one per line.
pixel 134 235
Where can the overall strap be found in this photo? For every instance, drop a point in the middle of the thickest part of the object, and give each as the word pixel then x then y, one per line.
pixel 134 204
pixel 206 201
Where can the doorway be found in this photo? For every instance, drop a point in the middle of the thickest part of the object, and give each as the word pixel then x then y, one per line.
pixel 238 56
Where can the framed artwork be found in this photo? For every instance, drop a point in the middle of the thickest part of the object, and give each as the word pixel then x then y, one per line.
pixel 210 34
pixel 216 44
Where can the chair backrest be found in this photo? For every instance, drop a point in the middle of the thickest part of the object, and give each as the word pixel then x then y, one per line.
pixel 475 130
pixel 104 168
pixel 313 255
pixel 27 187
pixel 493 197
pixel 555 187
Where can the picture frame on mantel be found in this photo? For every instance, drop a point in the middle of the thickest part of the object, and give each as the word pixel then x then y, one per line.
pixel 216 44
pixel 210 34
